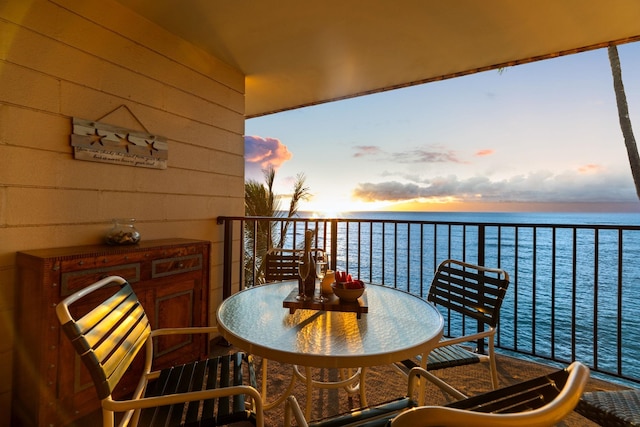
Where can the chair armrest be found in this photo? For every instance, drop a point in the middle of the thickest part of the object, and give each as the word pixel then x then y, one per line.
pixel 440 416
pixel 169 399
pixel 466 338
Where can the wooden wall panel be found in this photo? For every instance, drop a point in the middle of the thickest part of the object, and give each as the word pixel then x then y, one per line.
pixel 61 59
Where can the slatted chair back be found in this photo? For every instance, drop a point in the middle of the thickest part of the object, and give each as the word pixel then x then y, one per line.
pixel 281 264
pixel 208 392
pixel 108 337
pixel 526 396
pixel 470 290
pixel 476 293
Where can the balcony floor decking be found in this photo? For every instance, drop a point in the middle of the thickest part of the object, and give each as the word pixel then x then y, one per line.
pixel 385 383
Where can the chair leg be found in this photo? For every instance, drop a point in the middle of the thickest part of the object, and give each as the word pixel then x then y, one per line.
pixel 291 406
pixel 443 385
pixel 108 418
pixel 492 364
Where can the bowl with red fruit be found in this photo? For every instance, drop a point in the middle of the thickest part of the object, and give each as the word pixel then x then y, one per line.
pixel 347 288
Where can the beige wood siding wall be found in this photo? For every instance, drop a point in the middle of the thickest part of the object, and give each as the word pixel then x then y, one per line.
pixel 76 58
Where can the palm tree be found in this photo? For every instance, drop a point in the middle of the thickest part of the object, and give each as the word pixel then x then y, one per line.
pixel 260 236
pixel 623 115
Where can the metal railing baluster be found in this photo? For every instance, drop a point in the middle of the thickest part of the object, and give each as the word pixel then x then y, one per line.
pixel 556 270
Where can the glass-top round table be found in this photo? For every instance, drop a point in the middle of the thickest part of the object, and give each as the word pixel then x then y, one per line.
pixel 397 326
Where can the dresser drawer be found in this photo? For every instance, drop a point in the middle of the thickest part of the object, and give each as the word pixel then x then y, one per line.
pixel 75 280
pixel 177 265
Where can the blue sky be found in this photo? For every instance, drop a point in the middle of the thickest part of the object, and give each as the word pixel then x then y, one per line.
pixel 541 136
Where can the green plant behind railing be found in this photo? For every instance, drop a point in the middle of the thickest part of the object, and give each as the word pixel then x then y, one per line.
pixel 260 236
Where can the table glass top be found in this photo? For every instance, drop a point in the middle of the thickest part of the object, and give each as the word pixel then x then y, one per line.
pixel 398 326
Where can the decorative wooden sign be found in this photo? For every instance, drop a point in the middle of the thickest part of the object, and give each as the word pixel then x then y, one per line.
pixel 99 142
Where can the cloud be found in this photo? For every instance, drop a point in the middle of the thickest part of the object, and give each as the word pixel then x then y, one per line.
pixel 426 156
pixel 485 152
pixel 590 168
pixel 540 186
pixel 367 150
pixel 418 155
pixel 260 153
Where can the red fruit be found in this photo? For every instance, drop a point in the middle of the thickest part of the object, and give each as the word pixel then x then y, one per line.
pixel 356 284
pixel 349 278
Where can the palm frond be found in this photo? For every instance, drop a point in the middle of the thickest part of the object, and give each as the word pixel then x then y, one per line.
pixel 261 200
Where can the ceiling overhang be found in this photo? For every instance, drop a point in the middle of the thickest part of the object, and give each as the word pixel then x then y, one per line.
pixel 298 53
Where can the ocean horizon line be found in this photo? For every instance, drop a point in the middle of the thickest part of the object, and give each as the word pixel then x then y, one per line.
pixel 586 208
pixel 578 218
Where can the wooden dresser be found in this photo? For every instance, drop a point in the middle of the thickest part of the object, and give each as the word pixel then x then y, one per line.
pixel 50 385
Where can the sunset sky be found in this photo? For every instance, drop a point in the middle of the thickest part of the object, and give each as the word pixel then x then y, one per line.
pixel 538 137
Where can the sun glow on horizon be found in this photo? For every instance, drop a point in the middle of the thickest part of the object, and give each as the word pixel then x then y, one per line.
pixel 335 208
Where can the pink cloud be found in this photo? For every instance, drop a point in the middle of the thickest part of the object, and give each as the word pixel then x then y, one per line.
pixel 261 153
pixel 590 168
pixel 485 152
pixel 367 150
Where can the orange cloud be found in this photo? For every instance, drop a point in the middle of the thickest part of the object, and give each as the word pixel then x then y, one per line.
pixel 485 152
pixel 590 168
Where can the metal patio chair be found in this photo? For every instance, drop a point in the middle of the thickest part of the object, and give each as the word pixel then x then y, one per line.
pixel 281 264
pixel 109 337
pixel 540 402
pixel 476 293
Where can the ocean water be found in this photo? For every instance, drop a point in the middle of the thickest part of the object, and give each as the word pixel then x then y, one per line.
pixel 616 218
pixel 573 292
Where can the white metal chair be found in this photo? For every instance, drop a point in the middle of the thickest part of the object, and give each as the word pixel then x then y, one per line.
pixel 475 293
pixel 540 402
pixel 109 337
